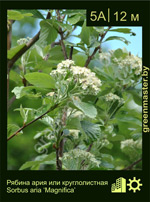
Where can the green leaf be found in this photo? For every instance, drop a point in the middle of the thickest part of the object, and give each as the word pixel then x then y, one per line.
pixel 73 123
pixel 56 54
pixel 29 164
pixel 118 38
pixel 48 33
pixel 74 12
pixel 35 167
pixel 85 34
pixel 107 165
pixel 64 26
pixel 45 146
pixel 22 113
pixel 79 59
pixel 13 51
pixel 17 91
pixel 118 53
pixel 137 98
pixel 34 12
pixel 14 76
pixel 91 130
pixel 12 128
pixel 103 75
pixel 88 109
pixel 47 120
pixel 99 29
pixel 122 30
pixel 39 50
pixel 94 44
pixel 116 138
pixel 46 159
pixel 41 80
pixel 41 133
pixel 16 15
pixel 30 91
pixel 74 19
pixel 131 120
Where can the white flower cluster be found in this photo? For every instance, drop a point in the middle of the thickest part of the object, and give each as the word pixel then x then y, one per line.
pixel 104 143
pixel 112 97
pixel 65 64
pixel 83 155
pixel 131 143
pixel 84 77
pixel 134 62
pixel 104 57
pixel 23 41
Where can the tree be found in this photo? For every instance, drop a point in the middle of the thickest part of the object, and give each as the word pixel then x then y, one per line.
pixel 86 117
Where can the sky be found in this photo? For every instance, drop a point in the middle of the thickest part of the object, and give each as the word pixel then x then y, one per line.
pixel 135 47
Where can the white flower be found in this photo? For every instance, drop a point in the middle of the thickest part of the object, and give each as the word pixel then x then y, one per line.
pixel 113 97
pixel 65 63
pixel 83 155
pixel 105 57
pixel 82 76
pixel 127 143
pixel 131 61
pixel 23 41
pixel 131 144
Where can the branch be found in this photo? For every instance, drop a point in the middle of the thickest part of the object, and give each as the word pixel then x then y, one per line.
pixel 96 49
pixel 133 164
pixel 24 126
pixel 25 48
pixel 58 162
pixel 62 36
pixel 71 53
pixel 63 48
pixel 88 150
pixel 55 43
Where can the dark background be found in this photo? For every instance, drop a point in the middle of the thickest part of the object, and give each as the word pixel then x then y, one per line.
pixel 82 193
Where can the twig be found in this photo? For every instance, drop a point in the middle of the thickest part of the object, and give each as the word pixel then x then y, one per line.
pixel 71 53
pixel 60 149
pixel 24 126
pixel 96 49
pixel 55 43
pixel 88 150
pixel 62 37
pixel 58 162
pixel 63 48
pixel 133 164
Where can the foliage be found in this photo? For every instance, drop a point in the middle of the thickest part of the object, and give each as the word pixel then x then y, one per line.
pixel 84 112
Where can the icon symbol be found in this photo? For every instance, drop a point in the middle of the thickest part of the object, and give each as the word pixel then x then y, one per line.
pixel 137 182
pixel 119 186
